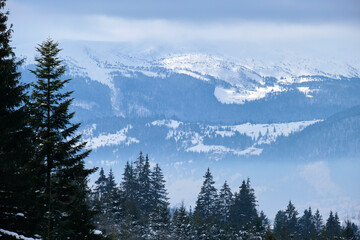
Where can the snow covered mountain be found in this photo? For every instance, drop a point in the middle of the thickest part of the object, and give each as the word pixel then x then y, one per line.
pixel 221 105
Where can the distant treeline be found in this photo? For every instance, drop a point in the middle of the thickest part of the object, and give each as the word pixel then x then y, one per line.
pixel 138 208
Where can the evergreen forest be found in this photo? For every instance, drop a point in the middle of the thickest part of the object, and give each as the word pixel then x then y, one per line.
pixel 44 192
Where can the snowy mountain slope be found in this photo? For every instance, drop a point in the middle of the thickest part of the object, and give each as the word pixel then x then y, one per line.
pixel 234 81
pixel 238 140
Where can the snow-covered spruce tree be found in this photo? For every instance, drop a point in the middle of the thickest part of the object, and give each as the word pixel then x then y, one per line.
pixel 17 203
pixel 159 218
pixel 207 200
pixel 181 224
pixel 206 210
pixel 58 149
pixel 225 202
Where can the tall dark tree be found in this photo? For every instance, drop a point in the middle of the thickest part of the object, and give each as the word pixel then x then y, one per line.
pixel 110 183
pixel 59 150
pixel 144 200
pixel 307 225
pixel 181 227
pixel 158 189
pixel 333 227
pixel 100 185
pixel 318 222
pixel 350 231
pixel 159 215
pixel 225 202
pixel 128 185
pixel 207 200
pixel 243 211
pixel 280 228
pixel 286 223
pixel 17 203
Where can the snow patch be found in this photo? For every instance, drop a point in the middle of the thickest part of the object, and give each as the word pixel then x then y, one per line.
pixel 15 235
pixel 307 91
pixel 168 123
pixel 105 140
pixel 237 96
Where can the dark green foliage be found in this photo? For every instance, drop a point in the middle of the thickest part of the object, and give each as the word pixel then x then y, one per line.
pixel 225 202
pixel 243 211
pixel 207 201
pixel 59 151
pixel 286 223
pixel 350 231
pixel 181 224
pixel 332 227
pixel 307 225
pixel 128 185
pixel 318 222
pixel 16 173
pixel 100 188
pixel 122 218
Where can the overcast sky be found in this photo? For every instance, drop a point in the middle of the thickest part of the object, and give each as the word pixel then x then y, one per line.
pixel 329 26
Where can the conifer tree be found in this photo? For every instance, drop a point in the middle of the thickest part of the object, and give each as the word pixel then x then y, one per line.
pixel 159 215
pixel 158 190
pixel 207 200
pixel 332 227
pixel 100 185
pixel 110 183
pixel 144 183
pixel 225 202
pixel 280 226
pixel 17 203
pixel 128 184
pixel 181 228
pixel 59 150
pixel 350 231
pixel 286 223
pixel 307 225
pixel 318 222
pixel 243 211
pixel 292 221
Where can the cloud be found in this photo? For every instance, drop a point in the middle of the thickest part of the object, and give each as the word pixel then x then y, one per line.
pixel 235 177
pixel 185 189
pixel 206 10
pixel 317 175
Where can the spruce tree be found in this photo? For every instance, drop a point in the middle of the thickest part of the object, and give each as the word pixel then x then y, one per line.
pixel 332 227
pixel 318 222
pixel 243 211
pixel 110 183
pixel 158 190
pixel 100 185
pixel 207 200
pixel 59 151
pixel 350 231
pixel 225 202
pixel 292 221
pixel 307 225
pixel 129 183
pixel 144 183
pixel 280 226
pixel 17 192
pixel 159 215
pixel 181 228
